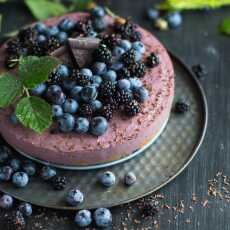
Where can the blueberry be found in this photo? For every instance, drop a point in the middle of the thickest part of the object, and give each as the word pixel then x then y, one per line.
pixel 82 125
pixel 66 25
pixel 138 56
pixel 99 24
pixel 98 126
pixel 125 44
pixel 88 93
pixel 53 31
pixel 141 94
pixel 92 34
pixel 99 68
pixel 139 46
pixel 47 173
pixel 70 106
pixel 40 28
pixel 62 37
pixel 63 71
pixel 68 84
pixel 86 72
pixel 96 79
pixel 111 75
pixel 103 217
pixel 6 201
pixel 57 111
pixel 98 12
pixel 41 39
pixel 55 95
pixel 117 66
pixel 152 14
pixel 83 218
pixel 20 179
pixel 26 209
pixel 66 123
pixel 124 84
pixel 39 89
pixel 135 83
pixel 4 154
pixel 95 105
pixel 130 178
pixel 29 167
pixel 107 179
pixel 118 52
pixel 6 173
pixel 174 19
pixel 74 197
pixel 75 92
pixel 15 164
pixel 13 119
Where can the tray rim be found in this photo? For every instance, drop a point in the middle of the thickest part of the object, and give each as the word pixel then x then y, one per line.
pixel 171 178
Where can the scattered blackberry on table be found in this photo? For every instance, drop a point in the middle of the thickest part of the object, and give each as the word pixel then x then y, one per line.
pixel 103 54
pixel 59 182
pixel 82 80
pixel 107 112
pixel 86 110
pixel 129 57
pixel 200 70
pixel 137 69
pixel 152 60
pixel 107 89
pixel 150 208
pixel 110 40
pixel 15 221
pixel 132 108
pixel 181 107
pixel 124 73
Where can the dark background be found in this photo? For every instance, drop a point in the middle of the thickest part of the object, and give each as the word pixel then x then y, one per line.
pixel 197 41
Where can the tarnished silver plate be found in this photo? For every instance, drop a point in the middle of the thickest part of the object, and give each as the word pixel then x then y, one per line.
pixel 160 163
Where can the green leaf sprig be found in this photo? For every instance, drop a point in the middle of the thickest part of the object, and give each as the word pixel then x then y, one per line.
pixel 225 26
pixel 33 112
pixel 192 4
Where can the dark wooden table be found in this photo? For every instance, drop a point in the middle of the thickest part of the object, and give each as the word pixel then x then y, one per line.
pixel 197 41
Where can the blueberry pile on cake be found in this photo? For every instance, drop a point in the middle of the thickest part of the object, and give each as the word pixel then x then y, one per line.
pixel 110 95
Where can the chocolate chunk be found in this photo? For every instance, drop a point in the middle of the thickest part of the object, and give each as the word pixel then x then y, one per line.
pixel 82 49
pixel 64 54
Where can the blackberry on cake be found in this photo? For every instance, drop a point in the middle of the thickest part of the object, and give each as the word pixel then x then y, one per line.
pixel 137 69
pixel 107 112
pixel 110 40
pixel 152 60
pixel 129 57
pixel 85 110
pixel 132 108
pixel 81 79
pixel 103 54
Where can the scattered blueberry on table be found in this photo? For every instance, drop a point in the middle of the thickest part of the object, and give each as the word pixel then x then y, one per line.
pixel 107 179
pixel 103 217
pixel 20 179
pixel 83 218
pixel 26 209
pixel 6 201
pixel 74 197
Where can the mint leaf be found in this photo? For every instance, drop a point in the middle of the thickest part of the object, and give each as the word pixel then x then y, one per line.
pixel 42 9
pixel 10 88
pixel 34 113
pixel 80 4
pixel 225 26
pixel 34 70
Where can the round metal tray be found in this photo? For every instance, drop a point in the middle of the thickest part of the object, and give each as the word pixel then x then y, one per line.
pixel 155 167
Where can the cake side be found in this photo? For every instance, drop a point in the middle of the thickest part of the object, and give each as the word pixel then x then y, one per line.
pixel 123 137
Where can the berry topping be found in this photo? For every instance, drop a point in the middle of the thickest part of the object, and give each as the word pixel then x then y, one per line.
pixel 98 126
pixel 107 112
pixel 66 123
pixel 103 54
pixel 137 69
pixel 82 125
pixel 129 57
pixel 152 60
pixel 86 110
pixel 110 40
pixel 132 108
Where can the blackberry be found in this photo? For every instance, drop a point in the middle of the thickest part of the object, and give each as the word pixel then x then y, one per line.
pixel 54 78
pixel 103 54
pixel 107 89
pixel 110 40
pixel 128 31
pixel 13 46
pixel 52 44
pixel 138 69
pixel 38 50
pixel 181 107
pixel 86 110
pixel 84 27
pixel 112 101
pixel 132 108
pixel 15 221
pixel 107 112
pixel 129 57
pixel 81 79
pixel 27 36
pixel 124 73
pixel 59 182
pixel 152 60
pixel 124 97
pixel 11 61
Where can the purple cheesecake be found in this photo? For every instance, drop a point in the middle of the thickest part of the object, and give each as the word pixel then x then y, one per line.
pixel 124 135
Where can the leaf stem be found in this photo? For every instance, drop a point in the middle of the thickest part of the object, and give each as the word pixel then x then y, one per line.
pixel 26 91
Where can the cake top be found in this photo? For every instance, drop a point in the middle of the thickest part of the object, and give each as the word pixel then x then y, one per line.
pixel 75 75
